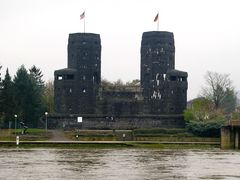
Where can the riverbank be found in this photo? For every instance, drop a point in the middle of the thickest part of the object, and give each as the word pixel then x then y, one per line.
pixel 156 138
pixel 111 144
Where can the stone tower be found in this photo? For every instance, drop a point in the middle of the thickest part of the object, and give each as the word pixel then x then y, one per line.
pixel 164 88
pixel 76 87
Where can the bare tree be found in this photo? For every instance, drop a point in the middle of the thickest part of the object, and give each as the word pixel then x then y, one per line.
pixel 219 90
pixel 48 96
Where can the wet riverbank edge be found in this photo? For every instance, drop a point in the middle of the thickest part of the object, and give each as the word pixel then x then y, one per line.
pixel 111 144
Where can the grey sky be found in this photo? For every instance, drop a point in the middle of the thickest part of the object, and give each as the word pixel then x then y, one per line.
pixel 207 34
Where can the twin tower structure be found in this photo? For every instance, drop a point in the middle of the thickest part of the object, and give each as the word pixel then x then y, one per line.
pixel 159 100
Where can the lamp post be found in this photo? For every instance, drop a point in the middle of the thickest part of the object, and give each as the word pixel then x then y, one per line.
pixel 46 114
pixel 15 117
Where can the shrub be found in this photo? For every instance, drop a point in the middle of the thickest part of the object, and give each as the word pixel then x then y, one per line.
pixel 209 128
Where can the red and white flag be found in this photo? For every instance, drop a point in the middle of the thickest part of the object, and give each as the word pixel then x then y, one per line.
pixel 156 18
pixel 82 15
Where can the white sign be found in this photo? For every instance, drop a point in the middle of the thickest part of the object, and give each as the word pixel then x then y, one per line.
pixel 79 119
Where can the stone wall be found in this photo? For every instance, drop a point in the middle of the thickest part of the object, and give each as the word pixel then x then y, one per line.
pixel 121 122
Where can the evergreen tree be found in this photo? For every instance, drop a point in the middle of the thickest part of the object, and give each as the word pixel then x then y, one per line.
pixel 0 76
pixel 27 97
pixel 37 75
pixel 7 99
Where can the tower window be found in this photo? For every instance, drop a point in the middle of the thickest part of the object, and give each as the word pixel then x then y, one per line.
pixel 59 77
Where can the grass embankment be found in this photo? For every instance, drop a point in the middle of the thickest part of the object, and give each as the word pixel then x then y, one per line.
pixel 166 135
pixel 98 135
pixel 31 135
pixel 144 138
pixel 170 135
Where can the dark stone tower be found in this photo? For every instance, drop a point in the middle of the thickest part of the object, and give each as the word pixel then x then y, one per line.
pixel 164 89
pixel 77 87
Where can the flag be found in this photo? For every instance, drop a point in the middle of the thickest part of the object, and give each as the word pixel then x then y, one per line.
pixel 82 15
pixel 156 18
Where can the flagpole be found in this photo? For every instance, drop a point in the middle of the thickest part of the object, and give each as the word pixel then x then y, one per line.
pixel 82 16
pixel 156 20
pixel 84 20
pixel 84 25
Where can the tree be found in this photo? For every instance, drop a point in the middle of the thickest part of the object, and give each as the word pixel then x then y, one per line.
pixel 27 96
pixel 200 110
pixel 135 82
pixel 202 119
pixel 1 117
pixel 106 85
pixel 118 83
pixel 7 99
pixel 37 75
pixel 48 97
pixel 0 76
pixel 219 91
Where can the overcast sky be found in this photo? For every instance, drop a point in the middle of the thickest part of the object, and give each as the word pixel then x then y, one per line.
pixel 207 35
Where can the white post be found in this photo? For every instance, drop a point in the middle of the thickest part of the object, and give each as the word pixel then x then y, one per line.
pixel 46 114
pixel 17 140
pixel 15 116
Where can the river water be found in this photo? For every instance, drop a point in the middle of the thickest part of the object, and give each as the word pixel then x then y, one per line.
pixel 118 164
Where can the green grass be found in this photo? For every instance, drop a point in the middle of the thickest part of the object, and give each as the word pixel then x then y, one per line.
pixel 31 135
pixel 160 131
pixel 91 135
pixel 172 135
pixel 30 131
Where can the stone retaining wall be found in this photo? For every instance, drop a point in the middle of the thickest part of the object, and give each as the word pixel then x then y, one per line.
pixel 122 122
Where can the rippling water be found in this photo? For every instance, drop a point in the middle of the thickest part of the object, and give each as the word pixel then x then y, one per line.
pixel 118 164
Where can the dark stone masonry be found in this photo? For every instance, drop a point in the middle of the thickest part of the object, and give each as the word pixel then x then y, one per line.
pixel 159 101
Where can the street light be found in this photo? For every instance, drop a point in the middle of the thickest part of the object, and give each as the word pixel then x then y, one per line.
pixel 15 116
pixel 46 114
